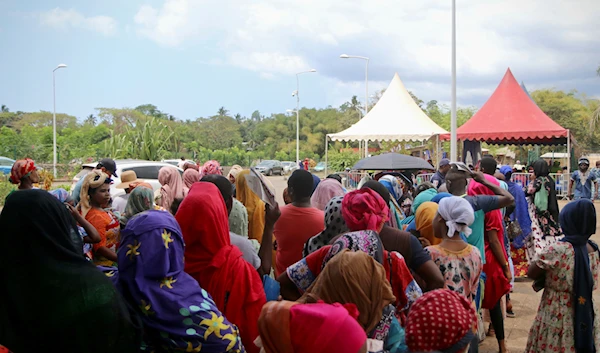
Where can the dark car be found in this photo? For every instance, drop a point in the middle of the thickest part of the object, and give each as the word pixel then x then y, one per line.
pixel 269 167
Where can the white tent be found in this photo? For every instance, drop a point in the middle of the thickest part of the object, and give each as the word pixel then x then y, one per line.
pixel 395 117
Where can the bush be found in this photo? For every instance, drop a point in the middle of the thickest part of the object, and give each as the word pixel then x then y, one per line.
pixel 5 189
pixel 339 161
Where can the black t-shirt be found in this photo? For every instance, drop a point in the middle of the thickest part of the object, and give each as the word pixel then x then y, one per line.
pixel 406 244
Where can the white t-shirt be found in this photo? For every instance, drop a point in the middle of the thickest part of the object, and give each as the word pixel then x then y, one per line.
pixel 120 202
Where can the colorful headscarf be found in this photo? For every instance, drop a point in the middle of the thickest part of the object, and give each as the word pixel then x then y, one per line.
pixel 140 199
pixel 364 209
pixel 218 266
pixel 354 277
pixel 325 191
pixel 140 184
pixel 424 221
pixel 172 186
pixel 21 169
pixel 94 179
pixel 448 329
pixel 211 167
pixel 254 205
pixel 190 176
pixel 334 226
pixel 458 214
pixel 442 195
pixel 424 196
pixel 391 183
pixel 578 222
pixel 331 328
pixel 366 241
pixel 234 171
pixel 174 308
pixel 62 195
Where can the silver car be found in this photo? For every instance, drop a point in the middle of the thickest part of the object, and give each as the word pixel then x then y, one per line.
pixel 289 167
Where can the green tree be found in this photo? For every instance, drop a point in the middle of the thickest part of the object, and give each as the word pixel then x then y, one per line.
pixel 223 112
pixel 219 132
pixel 150 139
pixel 4 109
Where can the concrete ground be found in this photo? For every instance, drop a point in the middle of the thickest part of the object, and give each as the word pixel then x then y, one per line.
pixel 525 301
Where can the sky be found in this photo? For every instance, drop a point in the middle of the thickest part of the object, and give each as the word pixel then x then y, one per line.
pixel 190 57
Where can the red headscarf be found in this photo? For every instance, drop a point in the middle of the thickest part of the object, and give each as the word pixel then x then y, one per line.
pixel 285 326
pixel 211 167
pixel 449 328
pixel 21 169
pixel 364 209
pixel 219 267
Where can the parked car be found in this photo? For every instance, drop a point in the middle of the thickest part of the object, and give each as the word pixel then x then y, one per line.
pixel 6 165
pixel 145 170
pixel 320 167
pixel 174 162
pixel 269 167
pixel 289 167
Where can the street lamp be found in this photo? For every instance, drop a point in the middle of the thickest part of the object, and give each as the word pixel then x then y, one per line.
pixel 346 56
pixel 61 66
pixel 296 93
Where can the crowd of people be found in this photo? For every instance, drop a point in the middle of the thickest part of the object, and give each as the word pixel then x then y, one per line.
pixel 207 263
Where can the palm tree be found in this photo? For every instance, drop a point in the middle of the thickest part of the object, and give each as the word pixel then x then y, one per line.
pixel 91 119
pixel 222 111
pixel 4 109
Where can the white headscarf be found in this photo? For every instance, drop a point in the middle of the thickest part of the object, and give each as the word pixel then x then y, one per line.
pixel 458 214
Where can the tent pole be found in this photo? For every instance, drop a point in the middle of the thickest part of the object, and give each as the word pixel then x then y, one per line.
pixel 568 152
pixel 453 109
pixel 326 151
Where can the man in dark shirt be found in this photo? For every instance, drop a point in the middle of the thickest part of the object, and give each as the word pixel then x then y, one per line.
pixel 439 177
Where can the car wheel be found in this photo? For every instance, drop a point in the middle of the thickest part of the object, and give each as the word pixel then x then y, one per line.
pixel 270 173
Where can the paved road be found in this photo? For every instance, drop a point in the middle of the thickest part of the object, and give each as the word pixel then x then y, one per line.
pixel 525 301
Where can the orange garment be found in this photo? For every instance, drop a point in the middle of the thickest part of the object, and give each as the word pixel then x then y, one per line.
pixel 109 229
pixel 424 221
pixel 292 230
pixel 254 205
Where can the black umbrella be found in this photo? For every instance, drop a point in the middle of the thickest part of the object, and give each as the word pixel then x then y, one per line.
pixel 392 161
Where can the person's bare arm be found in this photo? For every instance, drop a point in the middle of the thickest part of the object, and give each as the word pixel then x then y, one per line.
pixel 432 276
pixel 107 253
pixel 93 236
pixel 535 272
pixel 570 187
pixel 288 289
pixel 492 237
pixel 265 251
pixel 504 197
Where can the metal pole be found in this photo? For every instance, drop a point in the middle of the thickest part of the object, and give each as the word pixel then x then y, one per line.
pixel 297 119
pixel 54 121
pixel 453 112
pixel 367 103
pixel 326 152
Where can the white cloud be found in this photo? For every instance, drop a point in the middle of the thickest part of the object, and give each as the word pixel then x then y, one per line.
pixel 65 19
pixel 536 38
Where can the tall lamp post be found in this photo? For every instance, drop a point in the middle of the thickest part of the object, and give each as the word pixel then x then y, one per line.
pixel 297 94
pixel 61 66
pixel 453 149
pixel 346 56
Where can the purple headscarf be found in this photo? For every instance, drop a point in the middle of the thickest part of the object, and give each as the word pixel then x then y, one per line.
pixel 176 312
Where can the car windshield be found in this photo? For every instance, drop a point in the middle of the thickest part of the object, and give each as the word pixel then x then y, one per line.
pixel 285 164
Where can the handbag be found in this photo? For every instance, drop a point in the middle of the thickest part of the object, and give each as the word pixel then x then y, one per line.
pixel 513 229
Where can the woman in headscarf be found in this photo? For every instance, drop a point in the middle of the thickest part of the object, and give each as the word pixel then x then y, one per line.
pixel 364 212
pixel 24 173
pixel 496 266
pixel 254 206
pixel 172 187
pixel 94 199
pixel 310 328
pixel 424 223
pixel 178 314
pixel 423 196
pixel 218 266
pixel 325 191
pixel 520 214
pixel 543 211
pixel 47 261
pixel 459 262
pixel 211 167
pixel 190 176
pixel 334 226
pixel 393 186
pixel 568 319
pixel 449 329
pixel 356 278
pixel 141 199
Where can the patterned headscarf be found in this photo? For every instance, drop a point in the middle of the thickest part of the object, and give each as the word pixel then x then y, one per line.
pixel 93 180
pixel 21 169
pixel 450 329
pixel 334 226
pixel 391 183
pixel 366 241
pixel 170 302
pixel 325 191
pixel 211 167
pixel 172 186
pixel 141 199
pixel 62 195
pixel 364 209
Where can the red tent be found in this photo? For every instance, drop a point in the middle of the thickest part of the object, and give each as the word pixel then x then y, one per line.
pixel 511 117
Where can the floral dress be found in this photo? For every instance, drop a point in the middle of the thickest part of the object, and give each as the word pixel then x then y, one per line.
pixel 461 269
pixel 545 230
pixel 552 330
